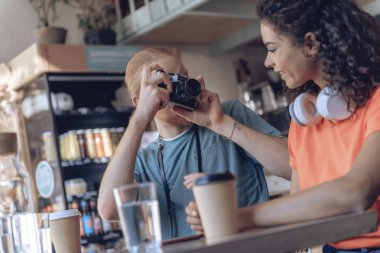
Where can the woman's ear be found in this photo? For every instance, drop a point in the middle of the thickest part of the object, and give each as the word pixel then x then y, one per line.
pixel 311 45
pixel 135 100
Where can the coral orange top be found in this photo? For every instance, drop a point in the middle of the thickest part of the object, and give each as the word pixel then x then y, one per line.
pixel 327 151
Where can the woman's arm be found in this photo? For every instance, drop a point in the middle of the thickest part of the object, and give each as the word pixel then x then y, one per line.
pixel 272 152
pixel 354 192
pixel 294 187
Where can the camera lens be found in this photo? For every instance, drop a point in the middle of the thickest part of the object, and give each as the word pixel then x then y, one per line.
pixel 192 88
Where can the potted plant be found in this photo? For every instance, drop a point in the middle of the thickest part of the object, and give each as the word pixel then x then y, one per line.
pixel 96 19
pixel 46 33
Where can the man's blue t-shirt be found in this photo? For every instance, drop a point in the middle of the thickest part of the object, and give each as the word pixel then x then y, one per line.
pixel 218 155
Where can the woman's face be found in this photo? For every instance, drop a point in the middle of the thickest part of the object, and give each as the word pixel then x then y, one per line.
pixel 285 58
pixel 172 64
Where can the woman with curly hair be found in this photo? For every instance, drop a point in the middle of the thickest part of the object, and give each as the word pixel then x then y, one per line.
pixel 328 55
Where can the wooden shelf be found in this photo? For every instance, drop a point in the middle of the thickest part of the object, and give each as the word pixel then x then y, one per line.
pixel 185 22
pixel 219 25
pixel 95 115
pixel 195 28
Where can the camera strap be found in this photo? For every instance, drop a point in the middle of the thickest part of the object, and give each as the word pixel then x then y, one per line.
pixel 199 153
pixel 160 155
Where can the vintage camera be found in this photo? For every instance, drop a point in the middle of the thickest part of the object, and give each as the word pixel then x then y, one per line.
pixel 185 91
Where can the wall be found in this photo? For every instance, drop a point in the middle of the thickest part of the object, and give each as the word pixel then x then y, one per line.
pixel 18 21
pixel 219 72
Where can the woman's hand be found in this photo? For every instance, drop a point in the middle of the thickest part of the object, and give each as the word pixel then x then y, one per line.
pixel 152 97
pixel 209 111
pixel 193 217
pixel 190 179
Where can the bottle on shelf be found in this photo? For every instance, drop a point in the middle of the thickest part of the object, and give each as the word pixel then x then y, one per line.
pixel 98 143
pixel 90 144
pixel 107 142
pixel 88 226
pixel 78 147
pixel 82 144
pixel 73 145
pixel 74 204
pixel 96 220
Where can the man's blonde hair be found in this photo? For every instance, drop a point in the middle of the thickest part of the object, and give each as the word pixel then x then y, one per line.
pixel 135 66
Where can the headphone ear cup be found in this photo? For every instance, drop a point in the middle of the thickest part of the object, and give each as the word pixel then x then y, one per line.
pixel 303 110
pixel 331 106
pixel 293 115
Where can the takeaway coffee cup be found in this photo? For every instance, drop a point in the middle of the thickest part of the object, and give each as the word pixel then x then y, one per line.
pixel 216 199
pixel 65 231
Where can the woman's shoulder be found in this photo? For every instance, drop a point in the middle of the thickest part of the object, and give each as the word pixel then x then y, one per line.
pixel 374 100
pixel 376 93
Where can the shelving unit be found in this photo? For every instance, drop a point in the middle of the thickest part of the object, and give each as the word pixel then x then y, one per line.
pixel 90 91
pixel 92 94
pixel 45 123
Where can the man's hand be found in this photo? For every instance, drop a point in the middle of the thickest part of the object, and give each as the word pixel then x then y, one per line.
pixel 152 98
pixel 209 112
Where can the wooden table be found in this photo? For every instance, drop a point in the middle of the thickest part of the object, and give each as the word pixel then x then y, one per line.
pixel 286 238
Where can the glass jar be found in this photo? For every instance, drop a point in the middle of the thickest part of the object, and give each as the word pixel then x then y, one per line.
pixel 107 142
pixel 90 144
pixel 82 144
pixel 48 146
pixel 15 184
pixel 74 150
pixel 98 143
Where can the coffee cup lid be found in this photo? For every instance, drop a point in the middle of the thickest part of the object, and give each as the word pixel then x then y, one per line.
pixel 64 214
pixel 214 178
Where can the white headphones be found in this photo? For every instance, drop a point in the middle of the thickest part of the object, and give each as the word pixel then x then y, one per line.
pixel 308 109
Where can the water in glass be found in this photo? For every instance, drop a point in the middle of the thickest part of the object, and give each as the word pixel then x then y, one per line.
pixel 140 222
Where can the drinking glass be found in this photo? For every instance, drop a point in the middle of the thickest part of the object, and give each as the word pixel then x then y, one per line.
pixel 31 233
pixel 43 233
pixel 139 217
pixel 6 242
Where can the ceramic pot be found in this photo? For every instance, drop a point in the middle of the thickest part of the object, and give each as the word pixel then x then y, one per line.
pixel 50 35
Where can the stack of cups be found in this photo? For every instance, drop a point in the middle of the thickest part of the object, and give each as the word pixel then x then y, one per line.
pixel 216 199
pixel 65 231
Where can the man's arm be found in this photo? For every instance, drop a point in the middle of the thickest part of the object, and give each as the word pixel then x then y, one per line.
pixel 121 168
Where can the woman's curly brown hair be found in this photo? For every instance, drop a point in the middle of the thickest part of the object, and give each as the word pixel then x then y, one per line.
pixel 349 41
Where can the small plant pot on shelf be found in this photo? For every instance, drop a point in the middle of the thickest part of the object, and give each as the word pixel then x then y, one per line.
pixel 100 37
pixel 50 35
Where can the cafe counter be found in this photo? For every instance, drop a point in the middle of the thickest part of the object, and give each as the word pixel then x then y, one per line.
pixel 285 238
